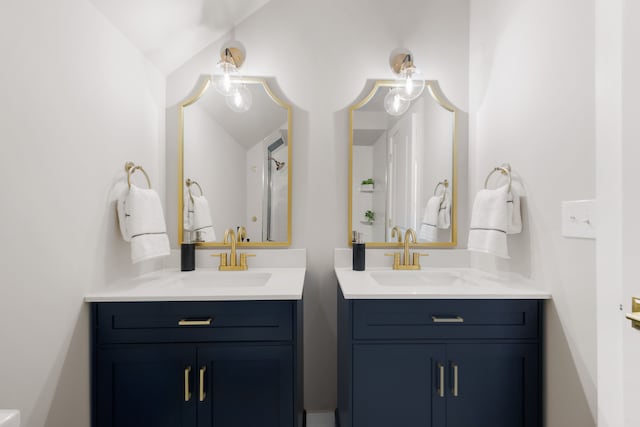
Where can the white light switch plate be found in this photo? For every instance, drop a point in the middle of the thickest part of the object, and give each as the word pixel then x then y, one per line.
pixel 579 219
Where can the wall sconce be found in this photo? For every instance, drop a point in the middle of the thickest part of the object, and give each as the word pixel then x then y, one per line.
pixel 409 86
pixel 227 81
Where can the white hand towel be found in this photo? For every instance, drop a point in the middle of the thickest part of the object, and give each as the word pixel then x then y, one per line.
pixel 197 219
pixel 489 222
pixel 514 217
pixel 429 226
pixel 444 212
pixel 142 223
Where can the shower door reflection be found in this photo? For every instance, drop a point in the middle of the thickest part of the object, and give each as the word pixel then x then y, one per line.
pixel 276 189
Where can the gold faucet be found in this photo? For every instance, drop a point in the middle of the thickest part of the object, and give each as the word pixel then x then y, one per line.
pixel 395 231
pixel 242 234
pixel 407 263
pixel 233 265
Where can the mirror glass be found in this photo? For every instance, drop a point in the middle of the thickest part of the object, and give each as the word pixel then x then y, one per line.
pixel 235 167
pixel 403 168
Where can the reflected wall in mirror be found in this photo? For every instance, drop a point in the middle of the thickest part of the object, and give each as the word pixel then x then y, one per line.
pixel 403 168
pixel 235 167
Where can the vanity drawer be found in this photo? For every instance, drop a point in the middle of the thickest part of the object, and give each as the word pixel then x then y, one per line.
pixel 197 321
pixel 445 319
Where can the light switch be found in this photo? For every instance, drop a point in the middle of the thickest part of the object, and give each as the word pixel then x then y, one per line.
pixel 579 219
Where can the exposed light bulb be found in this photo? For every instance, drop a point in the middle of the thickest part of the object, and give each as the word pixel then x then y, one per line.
pixel 240 99
pixel 412 86
pixel 224 83
pixel 408 88
pixel 394 103
pixel 237 99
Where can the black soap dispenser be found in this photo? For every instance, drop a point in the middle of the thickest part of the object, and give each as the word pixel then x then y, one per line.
pixel 188 255
pixel 358 251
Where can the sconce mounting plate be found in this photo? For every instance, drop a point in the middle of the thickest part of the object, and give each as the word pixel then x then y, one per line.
pixel 397 59
pixel 236 54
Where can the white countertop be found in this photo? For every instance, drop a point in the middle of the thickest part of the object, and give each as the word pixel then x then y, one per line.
pixel 207 284
pixel 435 283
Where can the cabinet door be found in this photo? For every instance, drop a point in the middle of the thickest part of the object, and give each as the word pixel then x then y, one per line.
pixel 246 385
pixel 144 385
pixel 398 385
pixel 497 385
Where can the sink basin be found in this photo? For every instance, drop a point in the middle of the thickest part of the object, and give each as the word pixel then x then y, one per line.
pixel 419 278
pixel 9 418
pixel 225 279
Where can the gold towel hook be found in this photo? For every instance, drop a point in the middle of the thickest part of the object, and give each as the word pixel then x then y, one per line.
pixel 130 168
pixel 445 184
pixel 505 169
pixel 189 182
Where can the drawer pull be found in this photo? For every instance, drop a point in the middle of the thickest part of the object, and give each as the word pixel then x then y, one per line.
pixel 455 379
pixel 203 394
pixel 187 392
pixel 441 382
pixel 456 319
pixel 195 322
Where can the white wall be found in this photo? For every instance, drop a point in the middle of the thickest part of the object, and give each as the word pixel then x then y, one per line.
pixel 77 102
pixel 631 205
pixel 532 104
pixel 609 191
pixel 321 53
pixel 379 202
pixel 255 191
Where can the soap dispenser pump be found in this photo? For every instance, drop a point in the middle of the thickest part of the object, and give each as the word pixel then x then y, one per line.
pixel 358 251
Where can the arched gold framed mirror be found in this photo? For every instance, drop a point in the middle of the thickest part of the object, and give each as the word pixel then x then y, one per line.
pixel 403 168
pixel 234 168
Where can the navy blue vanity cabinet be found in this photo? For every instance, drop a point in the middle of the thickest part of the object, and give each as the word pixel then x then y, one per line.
pixel 197 364
pixel 498 385
pixel 394 385
pixel 439 363
pixel 248 386
pixel 138 385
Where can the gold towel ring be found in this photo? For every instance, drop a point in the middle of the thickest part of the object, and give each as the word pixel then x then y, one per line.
pixel 130 167
pixel 445 184
pixel 505 169
pixel 189 182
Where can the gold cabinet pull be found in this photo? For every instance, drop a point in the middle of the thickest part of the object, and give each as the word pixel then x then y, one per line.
pixel 455 379
pixel 195 322
pixel 203 394
pixel 187 392
pixel 441 385
pixel 455 319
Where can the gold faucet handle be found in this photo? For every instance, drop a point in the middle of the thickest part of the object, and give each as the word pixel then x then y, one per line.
pixel 223 258
pixel 416 257
pixel 243 259
pixel 241 234
pixel 396 259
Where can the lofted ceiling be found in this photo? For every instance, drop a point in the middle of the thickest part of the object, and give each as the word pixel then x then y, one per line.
pixel 170 32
